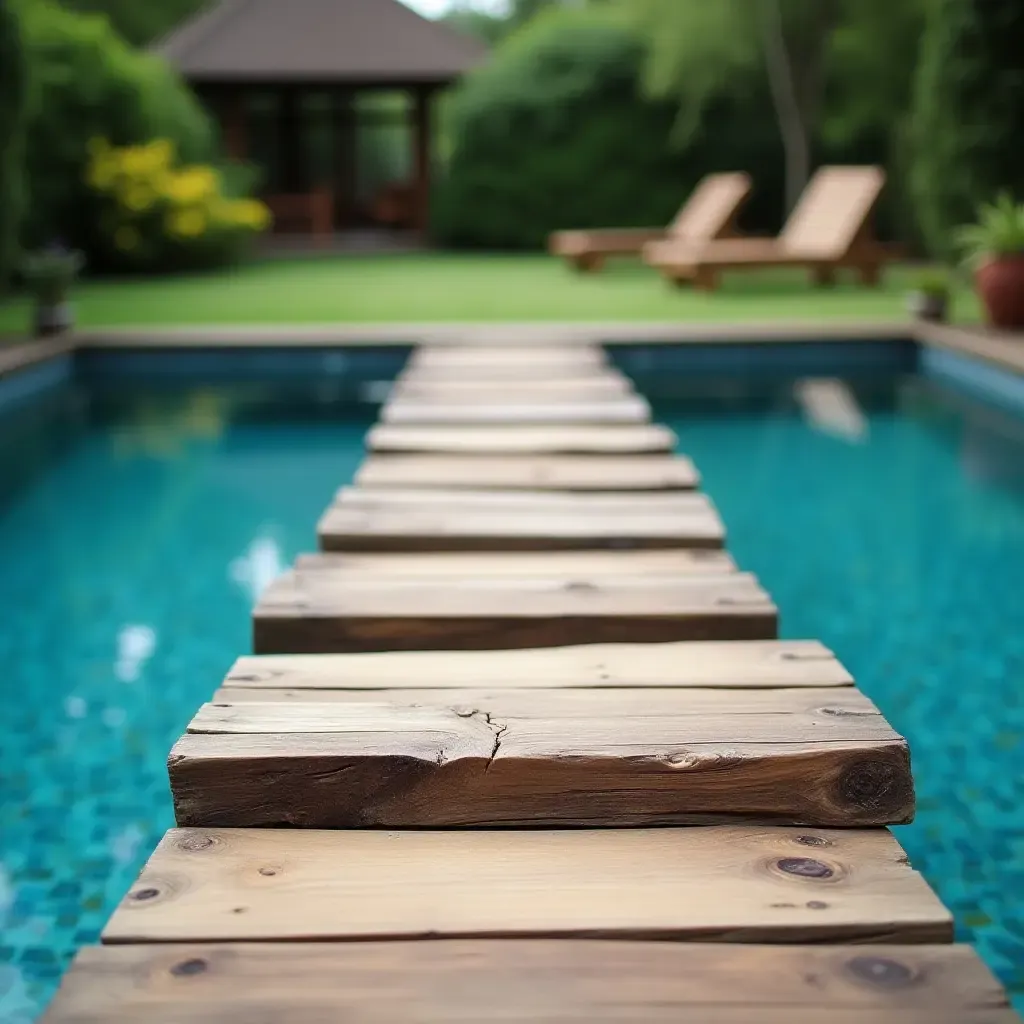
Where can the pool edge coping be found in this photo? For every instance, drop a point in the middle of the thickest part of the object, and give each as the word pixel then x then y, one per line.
pixel 1004 350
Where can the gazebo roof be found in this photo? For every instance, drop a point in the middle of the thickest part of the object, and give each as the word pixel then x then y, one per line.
pixel 344 41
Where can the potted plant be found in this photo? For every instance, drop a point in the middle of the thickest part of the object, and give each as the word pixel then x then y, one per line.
pixel 994 247
pixel 929 298
pixel 49 275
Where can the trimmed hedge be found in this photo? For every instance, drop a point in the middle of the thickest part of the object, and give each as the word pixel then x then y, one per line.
pixel 554 132
pixel 968 123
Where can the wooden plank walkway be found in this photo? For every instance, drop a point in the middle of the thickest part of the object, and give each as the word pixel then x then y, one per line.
pixel 469 771
pixel 535 473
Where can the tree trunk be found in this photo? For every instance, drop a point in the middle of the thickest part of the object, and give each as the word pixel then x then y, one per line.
pixel 788 108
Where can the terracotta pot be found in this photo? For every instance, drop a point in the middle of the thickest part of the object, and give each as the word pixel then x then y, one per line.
pixel 1000 283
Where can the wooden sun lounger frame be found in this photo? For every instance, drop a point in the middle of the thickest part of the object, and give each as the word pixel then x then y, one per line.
pixel 703 267
pixel 587 250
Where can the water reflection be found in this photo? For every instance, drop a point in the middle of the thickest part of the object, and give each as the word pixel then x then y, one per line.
pixel 135 646
pixel 830 406
pixel 261 564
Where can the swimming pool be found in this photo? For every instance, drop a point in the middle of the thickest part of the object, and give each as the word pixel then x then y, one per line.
pixel 137 525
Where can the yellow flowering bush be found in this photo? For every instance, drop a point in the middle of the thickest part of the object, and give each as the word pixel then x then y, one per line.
pixel 157 214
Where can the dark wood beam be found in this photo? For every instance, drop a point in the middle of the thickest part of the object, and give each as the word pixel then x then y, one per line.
pixel 345 155
pixel 421 159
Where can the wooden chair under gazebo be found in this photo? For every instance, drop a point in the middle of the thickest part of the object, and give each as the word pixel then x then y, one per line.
pixel 299 85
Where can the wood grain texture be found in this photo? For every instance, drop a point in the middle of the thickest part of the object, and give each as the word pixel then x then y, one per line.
pixel 538 357
pixel 314 613
pixel 738 883
pixel 755 664
pixel 525 502
pixel 430 412
pixel 588 388
pixel 545 564
pixel 365 525
pixel 548 473
pixel 540 981
pixel 510 373
pixel 793 756
pixel 522 440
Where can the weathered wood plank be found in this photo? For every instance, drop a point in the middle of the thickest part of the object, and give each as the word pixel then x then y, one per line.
pixel 528 502
pixel 548 473
pixel 790 756
pixel 588 388
pixel 537 356
pixel 733 666
pixel 568 565
pixel 511 373
pixel 460 981
pixel 365 526
pixel 313 613
pixel 522 440
pixel 430 412
pixel 741 883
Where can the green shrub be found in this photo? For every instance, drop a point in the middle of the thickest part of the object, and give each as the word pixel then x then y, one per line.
pixel 13 100
pixel 554 132
pixel 156 214
pixel 968 118
pixel 88 83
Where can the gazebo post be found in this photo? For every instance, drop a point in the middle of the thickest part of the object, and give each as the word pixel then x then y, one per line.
pixel 233 122
pixel 421 159
pixel 290 140
pixel 344 154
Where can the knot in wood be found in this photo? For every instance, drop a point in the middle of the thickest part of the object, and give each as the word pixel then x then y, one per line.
pixel 881 972
pixel 580 586
pixel 142 895
pixel 189 968
pixel 196 842
pixel 874 785
pixel 809 840
pixel 805 867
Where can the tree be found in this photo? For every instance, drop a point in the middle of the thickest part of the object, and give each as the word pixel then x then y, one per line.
pixel 141 22
pixel 13 104
pixel 555 131
pixel 700 51
pixel 968 116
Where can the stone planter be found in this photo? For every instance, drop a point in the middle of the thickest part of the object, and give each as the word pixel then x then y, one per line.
pixel 928 306
pixel 53 318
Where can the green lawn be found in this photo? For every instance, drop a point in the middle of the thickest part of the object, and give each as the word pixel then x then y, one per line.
pixel 448 287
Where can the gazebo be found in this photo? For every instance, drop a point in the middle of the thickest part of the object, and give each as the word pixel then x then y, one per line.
pixel 331 99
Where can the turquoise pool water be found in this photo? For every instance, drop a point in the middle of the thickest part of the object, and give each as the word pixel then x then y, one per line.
pixel 135 531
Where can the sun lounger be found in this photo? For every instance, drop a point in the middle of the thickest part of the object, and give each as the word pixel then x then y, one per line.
pixel 828 229
pixel 709 213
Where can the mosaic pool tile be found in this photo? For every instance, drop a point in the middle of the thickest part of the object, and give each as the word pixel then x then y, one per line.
pixel 141 528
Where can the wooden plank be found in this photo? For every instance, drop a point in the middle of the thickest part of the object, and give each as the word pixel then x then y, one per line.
pixel 524 502
pixel 429 412
pixel 741 883
pixel 314 613
pixel 590 388
pixel 545 564
pixel 535 357
pixel 510 373
pixel 464 981
pixel 378 528
pixel 738 665
pixel 594 761
pixel 522 440
pixel 548 473
pixel 519 352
